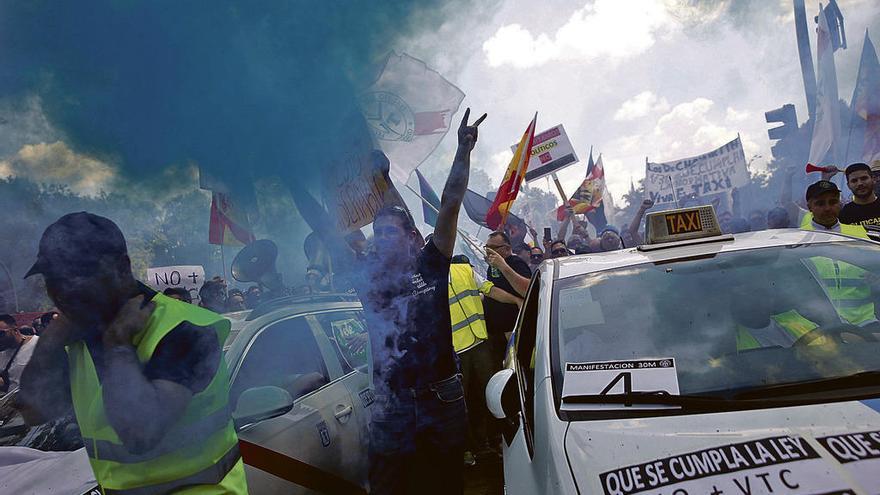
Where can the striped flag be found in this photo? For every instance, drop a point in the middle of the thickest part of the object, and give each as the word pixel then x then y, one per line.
pixel 589 195
pixel 516 171
pixel 229 226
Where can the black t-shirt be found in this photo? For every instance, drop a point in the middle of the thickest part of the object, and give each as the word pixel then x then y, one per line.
pixel 408 316
pixel 501 317
pixel 856 214
pixel 188 355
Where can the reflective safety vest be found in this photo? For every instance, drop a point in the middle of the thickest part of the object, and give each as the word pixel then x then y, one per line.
pixel 807 221
pixel 845 286
pixel 466 307
pixel 788 327
pixel 197 455
pixel 850 230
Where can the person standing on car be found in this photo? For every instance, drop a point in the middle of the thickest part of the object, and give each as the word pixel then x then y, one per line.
pixel 143 373
pixel 15 352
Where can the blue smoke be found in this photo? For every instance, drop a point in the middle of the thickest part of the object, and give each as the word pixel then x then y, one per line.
pixel 244 89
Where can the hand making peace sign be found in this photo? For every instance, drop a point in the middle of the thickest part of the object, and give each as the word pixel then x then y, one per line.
pixel 467 134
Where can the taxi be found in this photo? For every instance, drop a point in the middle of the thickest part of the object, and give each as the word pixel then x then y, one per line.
pixel 697 364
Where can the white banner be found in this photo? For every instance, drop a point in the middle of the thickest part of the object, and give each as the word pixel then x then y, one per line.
pixel 718 171
pixel 551 151
pixel 189 277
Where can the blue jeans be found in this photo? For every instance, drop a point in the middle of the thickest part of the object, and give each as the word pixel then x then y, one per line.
pixel 417 439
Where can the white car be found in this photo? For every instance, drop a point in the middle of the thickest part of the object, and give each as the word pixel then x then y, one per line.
pixel 300 392
pixel 700 364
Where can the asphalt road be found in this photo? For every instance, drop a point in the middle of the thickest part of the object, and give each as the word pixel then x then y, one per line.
pixel 485 478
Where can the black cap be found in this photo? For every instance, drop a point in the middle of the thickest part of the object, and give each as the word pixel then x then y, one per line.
pixel 820 187
pixel 76 243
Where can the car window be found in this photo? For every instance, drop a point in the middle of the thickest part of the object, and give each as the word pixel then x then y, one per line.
pixel 347 331
pixel 284 354
pixel 732 322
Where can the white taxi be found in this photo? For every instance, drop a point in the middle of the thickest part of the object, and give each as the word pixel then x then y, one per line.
pixel 698 364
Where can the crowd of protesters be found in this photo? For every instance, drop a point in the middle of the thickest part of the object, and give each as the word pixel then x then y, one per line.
pixel 402 280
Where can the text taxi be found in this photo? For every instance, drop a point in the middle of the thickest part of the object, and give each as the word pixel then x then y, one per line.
pixel 698 364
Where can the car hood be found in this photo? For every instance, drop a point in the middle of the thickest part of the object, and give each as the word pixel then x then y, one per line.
pixel 24 470
pixel 826 448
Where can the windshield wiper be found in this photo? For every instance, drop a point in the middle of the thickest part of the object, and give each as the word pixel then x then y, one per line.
pixel 856 380
pixel 697 402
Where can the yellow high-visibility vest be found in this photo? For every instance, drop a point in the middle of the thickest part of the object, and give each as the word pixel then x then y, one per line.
pixel 466 307
pixel 198 454
pixel 846 229
pixel 791 322
pixel 846 288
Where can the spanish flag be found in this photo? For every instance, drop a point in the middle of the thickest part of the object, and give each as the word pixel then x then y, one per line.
pixel 229 226
pixel 516 171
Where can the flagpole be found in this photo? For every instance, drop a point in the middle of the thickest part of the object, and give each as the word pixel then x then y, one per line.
pixel 559 188
pixel 223 262
pixel 478 248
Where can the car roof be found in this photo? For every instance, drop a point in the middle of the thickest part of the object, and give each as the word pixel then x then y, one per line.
pixel 595 262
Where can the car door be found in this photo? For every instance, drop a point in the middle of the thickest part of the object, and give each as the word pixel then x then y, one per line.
pixel 521 475
pixel 347 332
pixel 312 436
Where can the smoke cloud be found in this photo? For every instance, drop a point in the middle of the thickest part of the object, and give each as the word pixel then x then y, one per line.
pixel 243 90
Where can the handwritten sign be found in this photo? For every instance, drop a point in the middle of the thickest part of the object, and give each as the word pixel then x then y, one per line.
pixel 189 277
pixel 551 151
pixel 714 172
pixel 355 180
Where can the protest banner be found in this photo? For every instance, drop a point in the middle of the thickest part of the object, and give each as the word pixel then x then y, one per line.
pixel 189 277
pixel 551 151
pixel 355 180
pixel 698 177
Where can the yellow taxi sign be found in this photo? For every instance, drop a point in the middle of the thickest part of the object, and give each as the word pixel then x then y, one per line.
pixel 681 224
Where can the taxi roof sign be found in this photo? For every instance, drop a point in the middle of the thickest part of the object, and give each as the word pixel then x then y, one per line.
pixel 682 225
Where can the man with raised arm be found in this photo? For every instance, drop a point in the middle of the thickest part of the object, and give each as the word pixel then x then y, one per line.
pixel 418 428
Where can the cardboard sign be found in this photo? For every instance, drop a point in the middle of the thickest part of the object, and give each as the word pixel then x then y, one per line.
pixel 355 181
pixel 620 377
pixel 785 465
pixel 718 171
pixel 189 277
pixel 551 152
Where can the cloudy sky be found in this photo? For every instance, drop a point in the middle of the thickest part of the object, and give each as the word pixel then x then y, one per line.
pixel 664 79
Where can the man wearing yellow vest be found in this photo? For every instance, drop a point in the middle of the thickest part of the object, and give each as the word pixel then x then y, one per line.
pixel 468 333
pixel 823 200
pixel 142 372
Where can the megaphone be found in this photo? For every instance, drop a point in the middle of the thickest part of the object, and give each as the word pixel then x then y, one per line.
pixel 828 169
pixel 256 263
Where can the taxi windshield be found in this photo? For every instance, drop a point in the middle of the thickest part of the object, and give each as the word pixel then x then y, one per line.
pixel 732 323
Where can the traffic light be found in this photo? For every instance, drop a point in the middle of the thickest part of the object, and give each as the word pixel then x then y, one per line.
pixel 787 115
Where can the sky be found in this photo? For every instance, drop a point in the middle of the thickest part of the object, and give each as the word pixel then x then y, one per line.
pixel 660 79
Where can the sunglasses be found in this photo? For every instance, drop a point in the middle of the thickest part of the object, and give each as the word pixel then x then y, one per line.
pixel 559 251
pixel 536 256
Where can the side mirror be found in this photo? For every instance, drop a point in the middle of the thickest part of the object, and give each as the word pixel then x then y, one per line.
pixel 259 404
pixel 501 394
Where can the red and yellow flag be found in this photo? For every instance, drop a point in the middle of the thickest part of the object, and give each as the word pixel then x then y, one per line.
pixel 516 171
pixel 229 226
